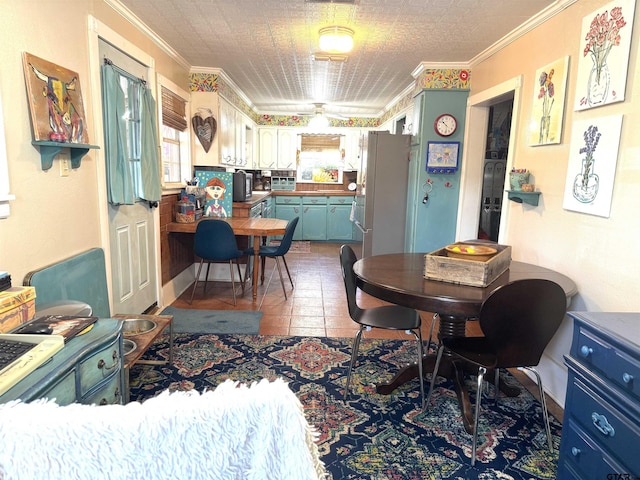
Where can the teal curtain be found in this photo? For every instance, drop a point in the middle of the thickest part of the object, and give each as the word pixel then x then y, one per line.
pixel 149 161
pixel 120 189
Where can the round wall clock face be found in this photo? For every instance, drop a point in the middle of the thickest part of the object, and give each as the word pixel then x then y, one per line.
pixel 445 125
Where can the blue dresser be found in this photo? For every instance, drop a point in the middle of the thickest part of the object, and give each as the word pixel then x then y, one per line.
pixel 88 369
pixel 601 428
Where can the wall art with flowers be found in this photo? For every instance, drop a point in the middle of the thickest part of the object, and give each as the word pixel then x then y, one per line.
pixel 592 165
pixel 604 55
pixel 547 111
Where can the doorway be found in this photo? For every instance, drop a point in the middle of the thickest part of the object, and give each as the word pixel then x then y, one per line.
pixel 494 169
pixel 475 152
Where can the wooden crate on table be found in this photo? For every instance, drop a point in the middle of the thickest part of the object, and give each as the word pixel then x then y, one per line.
pixel 439 266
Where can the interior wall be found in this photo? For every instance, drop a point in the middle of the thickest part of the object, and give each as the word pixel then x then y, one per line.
pixel 596 252
pixel 55 217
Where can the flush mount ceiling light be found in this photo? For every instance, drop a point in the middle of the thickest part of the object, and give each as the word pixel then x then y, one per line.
pixel 336 39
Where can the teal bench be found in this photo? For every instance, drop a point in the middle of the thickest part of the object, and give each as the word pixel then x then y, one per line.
pixel 82 278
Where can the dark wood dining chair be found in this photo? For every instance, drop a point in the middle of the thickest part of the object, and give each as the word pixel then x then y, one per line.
pixel 389 317
pixel 518 321
pixel 213 241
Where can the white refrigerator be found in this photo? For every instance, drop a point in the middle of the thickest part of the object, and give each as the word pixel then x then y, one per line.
pixel 380 204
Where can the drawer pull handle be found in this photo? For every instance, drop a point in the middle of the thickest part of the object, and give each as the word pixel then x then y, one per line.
pixel 627 378
pixel 601 423
pixel 115 357
pixel 575 451
pixel 586 351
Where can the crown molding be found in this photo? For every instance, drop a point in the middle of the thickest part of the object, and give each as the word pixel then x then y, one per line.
pixel 140 25
pixel 535 21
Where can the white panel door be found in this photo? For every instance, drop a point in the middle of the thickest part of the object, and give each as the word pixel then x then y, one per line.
pixel 132 253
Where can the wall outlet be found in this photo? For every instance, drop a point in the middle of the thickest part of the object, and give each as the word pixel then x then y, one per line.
pixel 65 167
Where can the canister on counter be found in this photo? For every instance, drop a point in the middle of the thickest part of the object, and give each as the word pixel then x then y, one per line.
pixel 185 211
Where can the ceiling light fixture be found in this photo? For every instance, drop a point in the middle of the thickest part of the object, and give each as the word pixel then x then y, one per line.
pixel 318 121
pixel 336 39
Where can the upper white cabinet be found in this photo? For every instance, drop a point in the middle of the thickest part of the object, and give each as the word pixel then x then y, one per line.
pixel 351 144
pixel 288 146
pixel 267 149
pixel 277 148
pixel 236 137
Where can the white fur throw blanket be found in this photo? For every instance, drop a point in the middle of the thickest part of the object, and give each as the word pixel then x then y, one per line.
pixel 234 432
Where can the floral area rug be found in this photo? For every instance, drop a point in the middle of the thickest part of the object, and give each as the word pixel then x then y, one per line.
pixel 369 436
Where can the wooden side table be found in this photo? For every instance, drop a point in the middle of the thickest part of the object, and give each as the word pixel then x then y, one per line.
pixel 143 342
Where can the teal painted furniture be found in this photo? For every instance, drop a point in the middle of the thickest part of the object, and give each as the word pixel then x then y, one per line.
pixel 82 277
pixel 89 369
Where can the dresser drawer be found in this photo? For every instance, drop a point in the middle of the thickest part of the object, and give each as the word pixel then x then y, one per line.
pixel 64 391
pixel 109 393
pixel 99 366
pixel 581 458
pixel 615 432
pixel 609 360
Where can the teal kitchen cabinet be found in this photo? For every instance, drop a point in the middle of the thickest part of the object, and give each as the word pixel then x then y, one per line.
pixel 287 208
pixel 339 225
pixel 314 218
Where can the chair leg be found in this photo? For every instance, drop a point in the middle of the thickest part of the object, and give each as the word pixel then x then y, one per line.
pixel 433 322
pixel 435 373
pixel 284 260
pixel 496 384
pixel 196 282
pixel 262 261
pixel 281 279
pixel 246 269
pixel 418 334
pixel 481 373
pixel 354 356
pixel 206 278
pixel 240 276
pixel 233 283
pixel 545 413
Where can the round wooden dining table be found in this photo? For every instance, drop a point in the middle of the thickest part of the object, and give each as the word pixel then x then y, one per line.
pixel 398 278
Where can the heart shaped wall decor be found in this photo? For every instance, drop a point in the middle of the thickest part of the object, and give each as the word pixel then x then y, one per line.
pixel 205 130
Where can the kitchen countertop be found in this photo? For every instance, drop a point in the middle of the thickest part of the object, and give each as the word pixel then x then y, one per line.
pixel 311 193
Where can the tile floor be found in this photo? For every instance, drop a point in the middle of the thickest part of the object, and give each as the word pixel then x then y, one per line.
pixel 317 306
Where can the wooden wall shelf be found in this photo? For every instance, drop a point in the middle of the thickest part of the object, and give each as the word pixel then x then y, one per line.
pixel 48 151
pixel 519 196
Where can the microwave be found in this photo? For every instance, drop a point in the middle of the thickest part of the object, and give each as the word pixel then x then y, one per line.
pixel 242 186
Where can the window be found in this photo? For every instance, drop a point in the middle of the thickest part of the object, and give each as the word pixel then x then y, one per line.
pixel 131 89
pixel 176 164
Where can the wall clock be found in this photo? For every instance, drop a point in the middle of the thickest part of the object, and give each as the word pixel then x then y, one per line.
pixel 445 125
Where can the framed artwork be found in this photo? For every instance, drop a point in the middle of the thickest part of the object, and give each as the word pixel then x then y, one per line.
pixel 55 102
pixel 548 103
pixel 592 165
pixel 604 55
pixel 218 188
pixel 442 157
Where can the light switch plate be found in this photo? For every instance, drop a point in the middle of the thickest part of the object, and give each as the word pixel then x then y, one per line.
pixel 65 167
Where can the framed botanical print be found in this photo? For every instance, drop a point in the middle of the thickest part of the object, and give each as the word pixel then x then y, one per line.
pixel 591 170
pixel 55 102
pixel 604 55
pixel 547 110
pixel 442 157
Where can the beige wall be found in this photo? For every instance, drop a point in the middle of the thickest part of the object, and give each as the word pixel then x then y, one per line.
pixel 54 217
pixel 599 254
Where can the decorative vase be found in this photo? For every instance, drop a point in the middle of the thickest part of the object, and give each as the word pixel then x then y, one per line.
pixel 516 179
pixel 545 122
pixel 598 87
pixel 586 183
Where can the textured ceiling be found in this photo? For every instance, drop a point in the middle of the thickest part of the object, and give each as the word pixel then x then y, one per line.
pixel 266 46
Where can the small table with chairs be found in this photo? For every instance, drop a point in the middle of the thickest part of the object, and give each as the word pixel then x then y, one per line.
pixel 249 226
pixel 398 279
